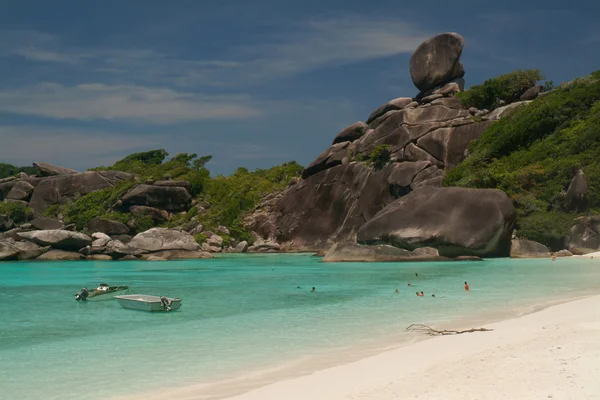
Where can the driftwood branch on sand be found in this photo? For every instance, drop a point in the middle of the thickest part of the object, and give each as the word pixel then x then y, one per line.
pixel 434 332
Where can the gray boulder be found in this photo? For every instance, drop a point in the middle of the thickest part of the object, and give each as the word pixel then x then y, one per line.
pixel 506 111
pixel 396 104
pixel 58 239
pixel 60 255
pixel 351 133
pixel 215 241
pixel 108 226
pixel 122 238
pixel 20 191
pixel 170 198
pixel 99 257
pixel 100 239
pixel 25 250
pixel 181 255
pixel 45 223
pixel 328 159
pixel 521 248
pixel 241 247
pixel 456 221
pixel 211 249
pixel 46 169
pixel 64 188
pixel 531 93
pixel 584 236
pixel 437 61
pixel 222 230
pixel 575 198
pixel 157 239
pixel 353 252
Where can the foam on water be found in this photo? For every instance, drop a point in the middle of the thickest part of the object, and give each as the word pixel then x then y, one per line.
pixel 242 313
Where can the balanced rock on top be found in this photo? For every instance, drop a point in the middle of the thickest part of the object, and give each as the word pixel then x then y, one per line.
pixel 437 61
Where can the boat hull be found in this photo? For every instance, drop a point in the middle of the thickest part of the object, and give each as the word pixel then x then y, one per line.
pixel 108 295
pixel 146 303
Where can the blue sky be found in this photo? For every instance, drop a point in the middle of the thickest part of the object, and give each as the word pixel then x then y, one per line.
pixel 84 83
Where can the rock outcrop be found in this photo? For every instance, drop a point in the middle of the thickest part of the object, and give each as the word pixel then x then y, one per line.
pixel 64 188
pixel 58 239
pixel 521 248
pixel 456 221
pixel 107 226
pixel 437 61
pixel 46 169
pixel 45 223
pixel 158 239
pixel 353 252
pixel 584 236
pixel 170 198
pixel 60 255
pixel 575 198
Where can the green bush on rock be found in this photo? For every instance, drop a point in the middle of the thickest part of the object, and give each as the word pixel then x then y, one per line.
pixel 534 154
pixel 17 211
pixel 506 87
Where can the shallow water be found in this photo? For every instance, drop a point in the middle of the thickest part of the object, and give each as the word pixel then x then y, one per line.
pixel 241 313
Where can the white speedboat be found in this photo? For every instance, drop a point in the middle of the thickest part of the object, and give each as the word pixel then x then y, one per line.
pixel 102 292
pixel 146 302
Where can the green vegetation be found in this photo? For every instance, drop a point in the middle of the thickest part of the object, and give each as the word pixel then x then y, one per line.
pixel 96 204
pixel 534 154
pixel 8 170
pixel 508 88
pixel 230 197
pixel 380 155
pixel 17 211
pixel 150 165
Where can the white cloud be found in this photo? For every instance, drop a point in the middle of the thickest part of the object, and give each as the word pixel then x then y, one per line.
pixel 290 49
pixel 98 101
pixel 80 149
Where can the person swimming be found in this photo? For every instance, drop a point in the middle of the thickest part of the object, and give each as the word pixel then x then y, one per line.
pixel 422 294
pixel 466 286
pixel 417 275
pixel 396 291
pixel 410 284
pixel 433 295
pixel 298 287
pixel 314 289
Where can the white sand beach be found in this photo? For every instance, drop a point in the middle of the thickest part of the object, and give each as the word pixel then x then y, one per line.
pixel 550 354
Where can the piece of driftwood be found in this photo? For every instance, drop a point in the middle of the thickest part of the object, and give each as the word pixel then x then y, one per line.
pixel 434 332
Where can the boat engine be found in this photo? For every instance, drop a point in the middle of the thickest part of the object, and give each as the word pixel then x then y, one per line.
pixel 82 295
pixel 166 304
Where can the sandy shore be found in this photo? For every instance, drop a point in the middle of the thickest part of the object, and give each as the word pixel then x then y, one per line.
pixel 550 354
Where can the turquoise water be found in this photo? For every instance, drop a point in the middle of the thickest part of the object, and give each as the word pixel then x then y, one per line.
pixel 241 313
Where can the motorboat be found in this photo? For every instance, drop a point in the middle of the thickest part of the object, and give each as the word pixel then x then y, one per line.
pixel 102 292
pixel 146 302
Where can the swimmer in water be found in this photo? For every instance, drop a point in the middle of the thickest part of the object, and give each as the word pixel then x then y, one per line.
pixel 396 291
pixel 313 289
pixel 409 284
pixel 466 286
pixel 417 275
pixel 422 294
pixel 433 295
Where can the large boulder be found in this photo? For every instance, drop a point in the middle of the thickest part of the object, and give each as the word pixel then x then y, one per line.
pixel 392 105
pixel 45 223
pixel 181 255
pixel 584 236
pixel 46 169
pixel 353 252
pixel 521 248
pixel 329 158
pixel 20 191
pixel 157 239
pixel 437 61
pixel 60 255
pixel 64 188
pixel 24 250
pixel 456 221
pixel 107 226
pixel 351 133
pixel 241 247
pixel 58 239
pixel 325 208
pixel 575 198
pixel 171 198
